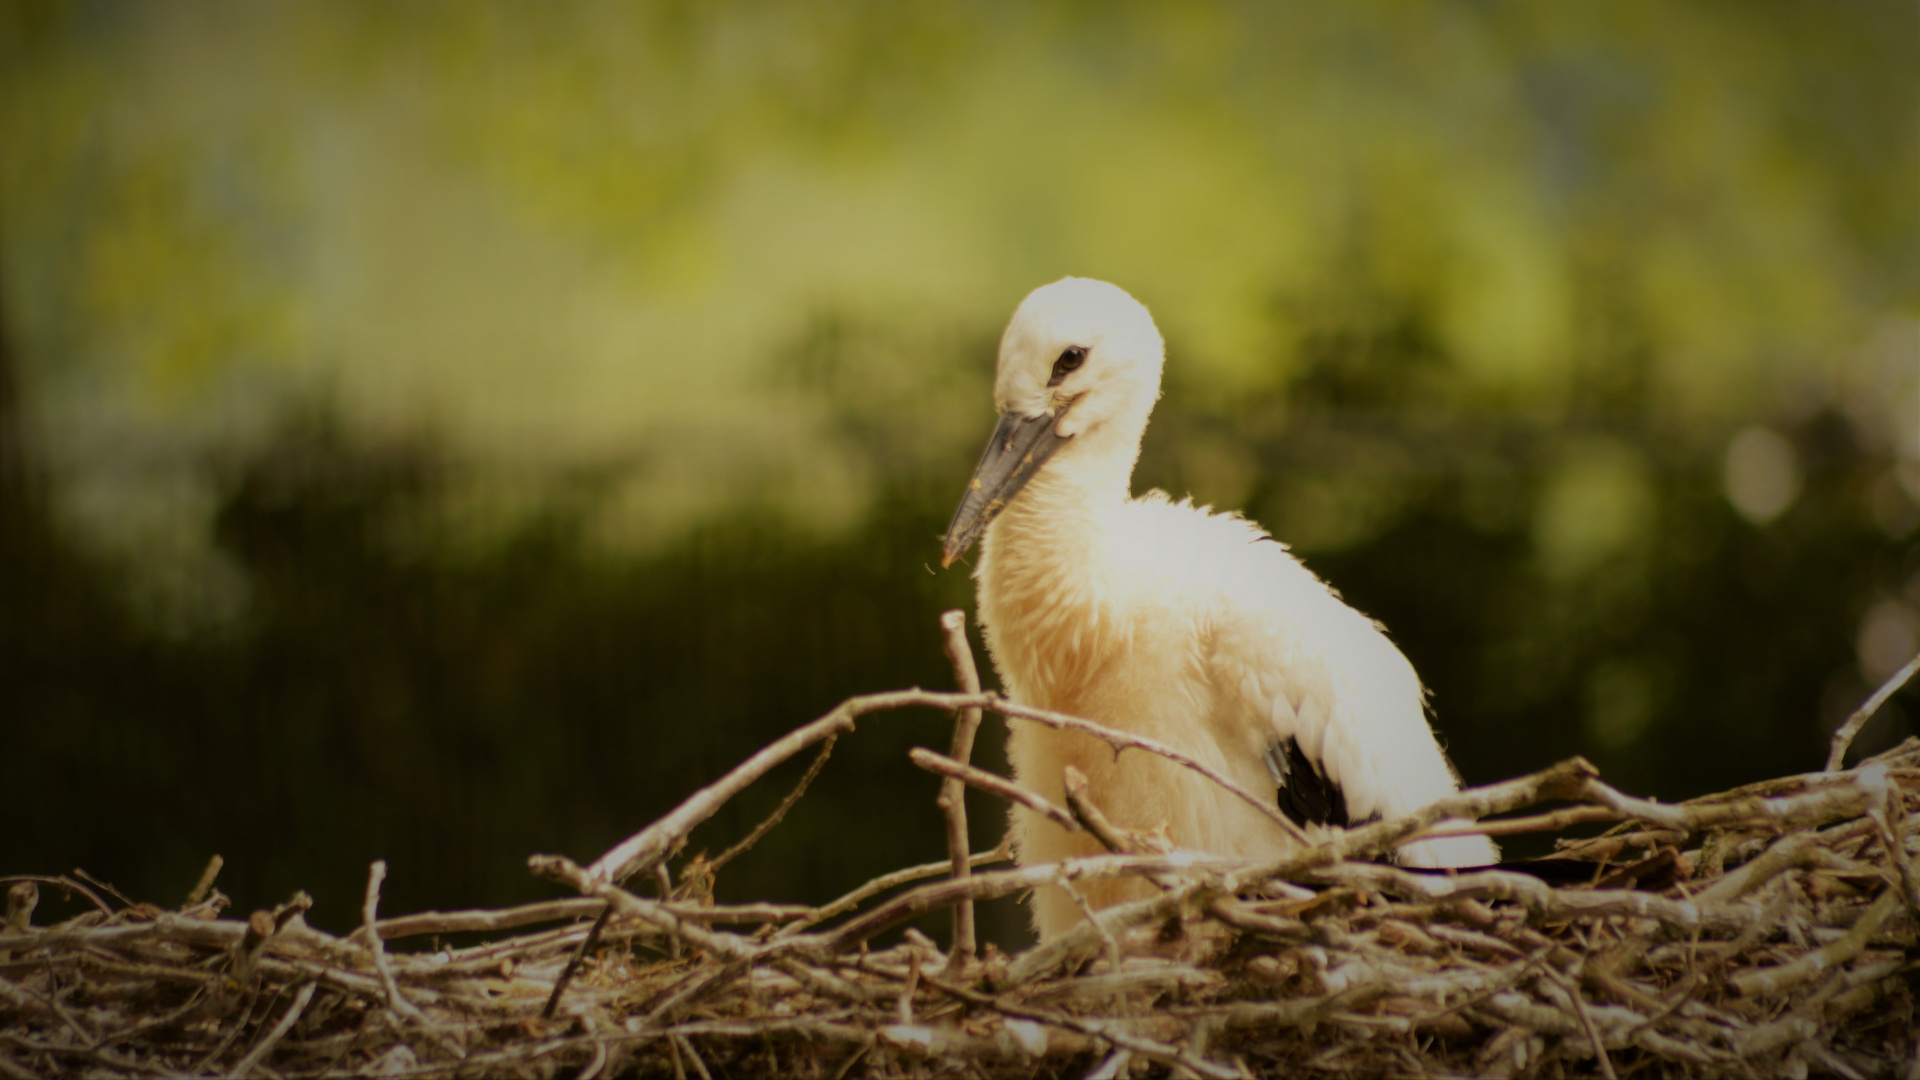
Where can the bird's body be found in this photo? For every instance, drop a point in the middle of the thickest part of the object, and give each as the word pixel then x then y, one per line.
pixel 1169 621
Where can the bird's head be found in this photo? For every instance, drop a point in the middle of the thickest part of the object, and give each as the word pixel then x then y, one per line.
pixel 1078 375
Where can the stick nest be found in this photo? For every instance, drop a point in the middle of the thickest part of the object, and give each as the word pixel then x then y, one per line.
pixel 1766 931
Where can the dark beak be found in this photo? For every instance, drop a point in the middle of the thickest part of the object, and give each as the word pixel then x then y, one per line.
pixel 1018 448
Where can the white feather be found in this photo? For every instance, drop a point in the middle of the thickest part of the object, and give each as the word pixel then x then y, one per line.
pixel 1168 620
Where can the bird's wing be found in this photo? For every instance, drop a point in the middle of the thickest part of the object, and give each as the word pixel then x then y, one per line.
pixel 1305 680
pixel 1306 795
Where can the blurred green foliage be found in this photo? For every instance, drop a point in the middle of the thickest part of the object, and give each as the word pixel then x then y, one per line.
pixel 443 432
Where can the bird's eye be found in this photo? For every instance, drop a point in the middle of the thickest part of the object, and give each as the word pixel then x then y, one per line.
pixel 1068 363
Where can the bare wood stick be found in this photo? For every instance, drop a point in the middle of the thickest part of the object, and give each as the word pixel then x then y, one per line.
pixel 1887 812
pixel 663 877
pixel 298 905
pixel 953 796
pixel 1245 917
pixel 1781 785
pixel 821 980
pixel 291 1017
pixel 679 1069
pixel 66 883
pixel 906 992
pixel 106 1061
pixel 1824 804
pixel 259 929
pixel 22 898
pixel 1121 740
pixel 724 945
pixel 1565 780
pixel 52 1005
pixel 1402 972
pixel 1572 991
pixel 786 804
pixel 658 839
pixel 1113 1065
pixel 1844 797
pixel 1537 895
pixel 738 913
pixel 1110 1032
pixel 866 1047
pixel 988 886
pixel 1112 837
pixel 889 881
pixel 107 887
pixel 1548 822
pixel 1114 957
pixel 1562 781
pixel 693 1055
pixel 1843 738
pixel 205 883
pixel 1906 753
pixel 376 874
pixel 1513 1009
pixel 1793 851
pixel 464 922
pixel 573 963
pixel 1611 845
pixel 649 845
pixel 1808 965
pixel 652 843
pixel 218 935
pixel 993 785
pixel 696 985
pixel 1089 816
pixel 739 953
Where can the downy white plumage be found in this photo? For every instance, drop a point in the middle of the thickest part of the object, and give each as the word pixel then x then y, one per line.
pixel 1168 620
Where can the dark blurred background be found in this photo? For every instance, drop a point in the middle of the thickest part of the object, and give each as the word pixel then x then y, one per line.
pixel 451 431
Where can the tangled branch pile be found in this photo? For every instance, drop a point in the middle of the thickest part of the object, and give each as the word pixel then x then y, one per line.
pixel 1766 931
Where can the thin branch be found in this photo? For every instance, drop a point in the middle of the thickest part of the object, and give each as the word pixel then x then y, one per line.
pixel 641 850
pixel 287 1019
pixel 881 884
pixel 993 785
pixel 786 804
pixel 953 797
pixel 468 922
pixel 644 848
pixel 65 883
pixel 1553 821
pixel 1121 740
pixel 1113 1034
pixel 376 874
pixel 1306 959
pixel 1843 737
pixel 1000 883
pixel 81 873
pixel 1808 965
pixel 573 962
pixel 205 883
pixel 1586 1020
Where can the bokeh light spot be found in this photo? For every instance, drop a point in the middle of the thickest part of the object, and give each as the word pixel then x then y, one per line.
pixel 1889 636
pixel 1762 475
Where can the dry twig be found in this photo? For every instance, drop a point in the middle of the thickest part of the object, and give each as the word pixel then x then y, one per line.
pixel 953 797
pixel 1788 952
pixel 1843 736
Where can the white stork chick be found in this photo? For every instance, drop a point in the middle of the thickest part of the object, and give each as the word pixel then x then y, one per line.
pixel 1170 621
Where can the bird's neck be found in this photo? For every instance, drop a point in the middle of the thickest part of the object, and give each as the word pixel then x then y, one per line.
pixel 1049 610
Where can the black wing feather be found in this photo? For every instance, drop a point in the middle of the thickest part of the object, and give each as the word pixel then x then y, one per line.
pixel 1305 795
pixel 1309 798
